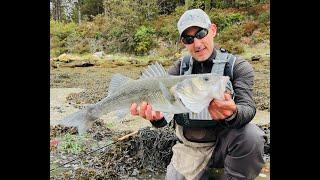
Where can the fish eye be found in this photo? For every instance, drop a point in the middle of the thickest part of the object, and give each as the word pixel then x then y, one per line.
pixel 206 78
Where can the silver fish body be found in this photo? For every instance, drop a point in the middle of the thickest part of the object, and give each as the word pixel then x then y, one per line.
pixel 166 93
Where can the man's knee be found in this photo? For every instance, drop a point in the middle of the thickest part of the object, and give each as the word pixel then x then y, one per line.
pixel 248 139
pixel 245 157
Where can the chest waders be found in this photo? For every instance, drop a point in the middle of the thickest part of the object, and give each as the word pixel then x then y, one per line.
pixel 222 65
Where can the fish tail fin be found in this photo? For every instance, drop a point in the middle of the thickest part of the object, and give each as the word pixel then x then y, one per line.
pixel 82 119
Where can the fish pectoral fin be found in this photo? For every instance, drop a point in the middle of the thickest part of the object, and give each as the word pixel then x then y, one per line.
pixel 117 81
pixel 165 92
pixel 154 70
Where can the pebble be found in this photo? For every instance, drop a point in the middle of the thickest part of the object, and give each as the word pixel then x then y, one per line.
pixel 135 172
pixel 262 175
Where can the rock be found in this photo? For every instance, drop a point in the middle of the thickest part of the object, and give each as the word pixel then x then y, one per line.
pixel 64 58
pixel 256 58
pixel 78 64
pixel 132 60
pixel 99 54
pixel 262 175
pixel 135 172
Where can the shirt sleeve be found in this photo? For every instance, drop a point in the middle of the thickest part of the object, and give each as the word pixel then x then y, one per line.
pixel 243 80
pixel 160 123
pixel 174 69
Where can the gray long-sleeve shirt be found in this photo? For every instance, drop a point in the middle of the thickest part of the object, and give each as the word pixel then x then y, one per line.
pixel 242 82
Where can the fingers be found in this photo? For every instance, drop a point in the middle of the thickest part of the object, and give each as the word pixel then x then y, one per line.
pixel 218 113
pixel 143 108
pixel 158 115
pixel 214 112
pixel 226 104
pixel 145 111
pixel 133 109
pixel 149 114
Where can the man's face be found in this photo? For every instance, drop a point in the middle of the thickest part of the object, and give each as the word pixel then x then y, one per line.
pixel 201 49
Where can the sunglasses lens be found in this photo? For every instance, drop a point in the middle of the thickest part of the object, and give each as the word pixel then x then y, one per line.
pixel 187 40
pixel 202 33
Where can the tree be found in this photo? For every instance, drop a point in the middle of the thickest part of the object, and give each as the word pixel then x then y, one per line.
pixel 168 6
pixel 62 10
pixel 56 9
pixel 91 8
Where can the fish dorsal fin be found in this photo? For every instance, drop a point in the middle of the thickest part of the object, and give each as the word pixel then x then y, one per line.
pixel 154 70
pixel 116 81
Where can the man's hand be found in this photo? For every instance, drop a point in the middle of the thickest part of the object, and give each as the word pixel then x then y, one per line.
pixel 222 109
pixel 145 111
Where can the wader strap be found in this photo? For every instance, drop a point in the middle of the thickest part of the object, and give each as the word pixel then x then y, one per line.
pixel 219 63
pixel 186 65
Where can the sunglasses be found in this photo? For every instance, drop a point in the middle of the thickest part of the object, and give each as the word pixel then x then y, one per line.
pixel 201 33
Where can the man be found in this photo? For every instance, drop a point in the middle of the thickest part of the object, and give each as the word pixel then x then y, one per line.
pixel 227 140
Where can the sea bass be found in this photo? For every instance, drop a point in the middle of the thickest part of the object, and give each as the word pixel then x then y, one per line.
pixel 166 93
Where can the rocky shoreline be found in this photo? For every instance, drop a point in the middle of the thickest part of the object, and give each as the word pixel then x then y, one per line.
pixel 147 152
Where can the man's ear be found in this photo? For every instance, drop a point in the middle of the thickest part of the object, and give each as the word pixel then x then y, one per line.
pixel 213 27
pixel 182 43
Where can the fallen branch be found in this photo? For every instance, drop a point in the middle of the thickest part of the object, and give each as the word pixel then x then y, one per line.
pixel 127 136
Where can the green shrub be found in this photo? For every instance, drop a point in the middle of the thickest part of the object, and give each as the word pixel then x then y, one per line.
pixel 57 46
pixel 59 33
pixel 235 3
pixel 224 19
pixel 249 27
pixel 143 39
pixel 233 32
pixel 62 30
pixel 71 144
pixel 179 11
pixel 261 34
pixel 233 47
pixel 244 3
pixel 168 6
pixel 95 44
pixel 166 27
pixel 120 39
pixel 73 43
pixel 264 17
pixel 88 29
pixel 222 4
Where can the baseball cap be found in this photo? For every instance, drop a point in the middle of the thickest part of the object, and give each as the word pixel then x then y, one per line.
pixel 193 17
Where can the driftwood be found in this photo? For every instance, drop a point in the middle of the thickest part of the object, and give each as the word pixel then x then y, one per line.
pixel 127 136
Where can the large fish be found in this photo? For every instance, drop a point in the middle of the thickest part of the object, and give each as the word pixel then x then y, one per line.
pixel 166 93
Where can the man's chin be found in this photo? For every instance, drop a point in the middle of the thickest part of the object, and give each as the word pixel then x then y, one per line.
pixel 201 58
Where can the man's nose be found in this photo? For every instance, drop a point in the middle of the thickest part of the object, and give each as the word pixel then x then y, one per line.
pixel 197 42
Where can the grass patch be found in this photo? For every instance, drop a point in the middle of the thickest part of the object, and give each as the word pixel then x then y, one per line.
pixel 262 49
pixel 73 144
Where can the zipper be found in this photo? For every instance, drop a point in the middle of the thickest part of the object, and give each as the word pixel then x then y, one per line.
pixel 201 67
